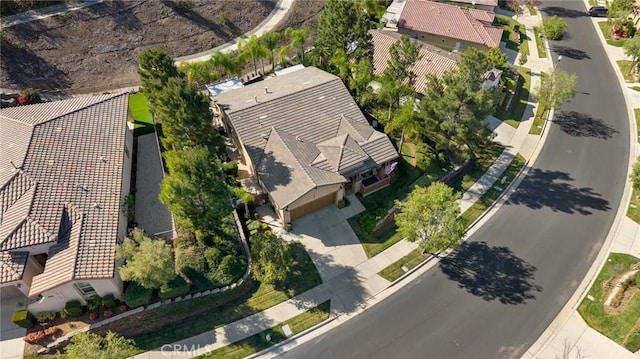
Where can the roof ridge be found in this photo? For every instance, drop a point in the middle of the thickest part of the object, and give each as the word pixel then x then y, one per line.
pixel 295 158
pixel 99 102
pixel 254 104
pixel 474 24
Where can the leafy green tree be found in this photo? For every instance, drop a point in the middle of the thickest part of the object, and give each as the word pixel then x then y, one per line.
pixel 391 94
pixel 343 25
pixel 270 41
pixel 195 191
pixel 252 49
pixel 271 257
pixel 632 50
pixel 635 175
pixel 429 216
pixel 155 68
pixel 362 73
pixel 245 197
pixel 403 55
pixel 495 58
pixel 199 73
pixel 553 27
pixel 149 262
pixel 555 89
pixel 87 345
pixel 186 119
pixel 406 119
pixel 624 6
pixel 297 39
pixel 453 111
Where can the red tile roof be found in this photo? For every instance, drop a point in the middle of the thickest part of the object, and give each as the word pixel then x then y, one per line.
pixel 470 25
pixel 433 61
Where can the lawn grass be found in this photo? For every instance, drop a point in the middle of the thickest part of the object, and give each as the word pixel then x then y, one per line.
pixel 395 271
pixel 482 204
pixel 617 327
pixel 625 67
pixel 177 321
pixel 258 342
pixel 604 28
pixel 507 37
pixel 487 154
pixel 542 52
pixel 513 117
pixel 139 107
pixel 538 121
pixel 634 207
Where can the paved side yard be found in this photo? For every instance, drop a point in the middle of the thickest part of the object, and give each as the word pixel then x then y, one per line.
pixel 11 343
pixel 151 215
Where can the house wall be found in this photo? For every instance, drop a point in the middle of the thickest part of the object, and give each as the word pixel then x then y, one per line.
pixel 444 42
pixel 308 197
pixel 55 299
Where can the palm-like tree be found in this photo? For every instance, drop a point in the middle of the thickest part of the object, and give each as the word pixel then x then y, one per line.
pixel 297 38
pixel 199 73
pixel 226 64
pixel 270 41
pixel 253 49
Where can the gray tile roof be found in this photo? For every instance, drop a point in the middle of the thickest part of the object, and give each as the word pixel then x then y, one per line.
pixel 71 155
pixel 12 266
pixel 433 61
pixel 290 120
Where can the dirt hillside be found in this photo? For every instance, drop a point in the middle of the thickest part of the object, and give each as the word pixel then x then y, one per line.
pixel 96 48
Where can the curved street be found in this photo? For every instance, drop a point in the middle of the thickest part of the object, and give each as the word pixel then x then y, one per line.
pixel 505 285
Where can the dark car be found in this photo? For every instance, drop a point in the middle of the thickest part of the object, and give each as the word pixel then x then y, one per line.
pixel 598 11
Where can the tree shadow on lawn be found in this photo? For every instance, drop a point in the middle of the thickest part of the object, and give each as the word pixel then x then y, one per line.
pixel 542 188
pixel 583 125
pixel 492 273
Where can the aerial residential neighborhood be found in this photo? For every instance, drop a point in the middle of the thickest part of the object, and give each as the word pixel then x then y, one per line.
pixel 319 179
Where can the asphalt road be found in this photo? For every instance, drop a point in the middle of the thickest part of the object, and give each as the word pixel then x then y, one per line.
pixel 497 295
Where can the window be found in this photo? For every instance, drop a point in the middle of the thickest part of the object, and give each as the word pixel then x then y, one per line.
pixel 85 288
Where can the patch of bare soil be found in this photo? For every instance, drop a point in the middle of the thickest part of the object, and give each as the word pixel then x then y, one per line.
pixel 96 48
pixel 303 13
pixel 627 295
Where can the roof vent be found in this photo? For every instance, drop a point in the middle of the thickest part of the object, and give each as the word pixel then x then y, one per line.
pixel 265 136
pixel 255 98
pixel 103 159
pixel 321 97
pixel 299 139
pixel 263 117
pixel 95 205
pixel 266 90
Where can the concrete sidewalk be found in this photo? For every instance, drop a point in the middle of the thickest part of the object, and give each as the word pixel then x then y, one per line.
pixel 45 12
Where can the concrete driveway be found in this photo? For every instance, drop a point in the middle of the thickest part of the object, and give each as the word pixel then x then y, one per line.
pixel 11 343
pixel 327 237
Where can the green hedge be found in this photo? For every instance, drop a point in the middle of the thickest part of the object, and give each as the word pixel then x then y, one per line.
pixel 174 288
pixel 137 295
pixel 45 316
pixel 72 309
pixel 23 319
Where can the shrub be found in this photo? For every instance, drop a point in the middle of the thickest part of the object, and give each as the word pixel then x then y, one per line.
pixel 343 202
pixel 93 317
pixel 34 337
pixel 630 29
pixel 636 279
pixel 136 295
pixel 174 288
pixel 52 331
pixel 73 309
pixel 184 4
pixel 23 319
pixel 29 96
pixel 230 168
pixel 107 313
pixel 553 27
pixel 522 60
pixel 369 220
pixel 45 316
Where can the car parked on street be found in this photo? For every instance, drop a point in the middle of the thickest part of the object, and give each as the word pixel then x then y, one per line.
pixel 598 11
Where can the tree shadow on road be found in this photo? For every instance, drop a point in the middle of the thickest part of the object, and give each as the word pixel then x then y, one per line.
pixel 583 125
pixel 492 273
pixel 570 52
pixel 562 12
pixel 550 189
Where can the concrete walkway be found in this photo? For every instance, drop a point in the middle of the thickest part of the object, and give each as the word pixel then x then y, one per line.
pixel 45 12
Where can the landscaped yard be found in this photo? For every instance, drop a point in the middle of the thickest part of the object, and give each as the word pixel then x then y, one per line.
pixel 604 27
pixel 395 270
pixel 519 105
pixel 619 323
pixel 486 156
pixel 258 342
pixel 542 52
pixel 634 207
pixel 540 118
pixel 625 69
pixel 139 107
pixel 508 25
pixel 177 321
pixel 636 112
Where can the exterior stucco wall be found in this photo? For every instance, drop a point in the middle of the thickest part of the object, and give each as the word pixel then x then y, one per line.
pixel 443 42
pixel 55 299
pixel 317 193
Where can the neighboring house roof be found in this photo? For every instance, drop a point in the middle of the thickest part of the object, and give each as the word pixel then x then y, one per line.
pixel 492 74
pixel 493 3
pixel 433 61
pixel 63 157
pixel 303 130
pixel 457 22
